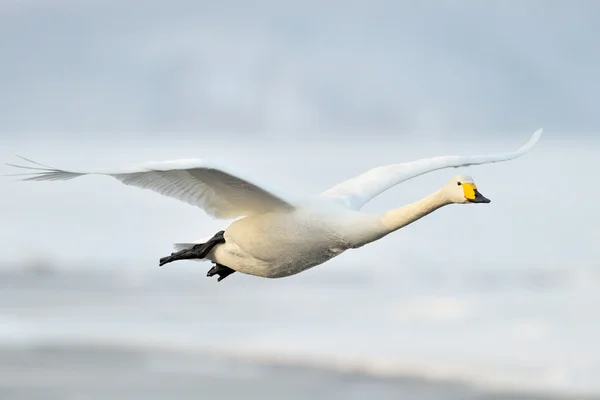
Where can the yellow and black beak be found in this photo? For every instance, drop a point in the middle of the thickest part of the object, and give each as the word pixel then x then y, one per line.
pixel 472 194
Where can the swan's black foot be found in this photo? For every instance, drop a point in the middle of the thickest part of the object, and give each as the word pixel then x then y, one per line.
pixel 198 251
pixel 220 270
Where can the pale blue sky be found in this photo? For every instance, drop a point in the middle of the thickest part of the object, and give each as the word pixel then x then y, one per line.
pixel 298 68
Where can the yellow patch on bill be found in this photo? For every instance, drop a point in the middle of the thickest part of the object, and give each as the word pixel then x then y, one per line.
pixel 469 189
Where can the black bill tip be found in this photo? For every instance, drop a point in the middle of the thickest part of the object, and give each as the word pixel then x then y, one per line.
pixel 479 198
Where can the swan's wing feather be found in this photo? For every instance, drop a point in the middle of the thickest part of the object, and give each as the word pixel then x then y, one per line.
pixel 357 191
pixel 220 193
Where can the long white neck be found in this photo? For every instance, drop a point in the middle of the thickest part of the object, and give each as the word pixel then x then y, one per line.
pixel 403 216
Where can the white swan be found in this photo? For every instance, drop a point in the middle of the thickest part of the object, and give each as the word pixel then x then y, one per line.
pixel 275 236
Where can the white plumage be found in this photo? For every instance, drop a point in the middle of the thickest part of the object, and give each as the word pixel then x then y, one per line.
pixel 357 191
pixel 221 194
pixel 276 236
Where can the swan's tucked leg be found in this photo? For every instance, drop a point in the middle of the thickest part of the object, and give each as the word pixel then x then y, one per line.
pixel 220 270
pixel 198 251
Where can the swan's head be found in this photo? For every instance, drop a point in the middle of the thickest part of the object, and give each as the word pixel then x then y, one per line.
pixel 462 190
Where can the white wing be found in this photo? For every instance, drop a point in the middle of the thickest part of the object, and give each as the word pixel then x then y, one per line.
pixel 359 190
pixel 219 193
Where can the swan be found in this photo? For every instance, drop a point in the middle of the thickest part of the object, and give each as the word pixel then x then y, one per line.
pixel 273 235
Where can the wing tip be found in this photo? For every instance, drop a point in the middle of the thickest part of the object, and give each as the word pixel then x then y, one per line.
pixel 531 142
pixel 40 172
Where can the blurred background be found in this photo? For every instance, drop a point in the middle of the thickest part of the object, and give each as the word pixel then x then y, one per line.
pixel 496 301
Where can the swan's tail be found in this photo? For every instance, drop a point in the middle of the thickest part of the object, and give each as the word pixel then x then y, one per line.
pixel 184 246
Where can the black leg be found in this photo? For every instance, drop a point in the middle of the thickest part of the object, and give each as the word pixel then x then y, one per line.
pixel 220 270
pixel 196 252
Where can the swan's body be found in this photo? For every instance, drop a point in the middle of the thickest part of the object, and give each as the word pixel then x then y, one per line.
pixel 281 244
pixel 276 236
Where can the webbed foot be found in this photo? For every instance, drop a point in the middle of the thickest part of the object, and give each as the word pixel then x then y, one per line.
pixel 196 252
pixel 220 270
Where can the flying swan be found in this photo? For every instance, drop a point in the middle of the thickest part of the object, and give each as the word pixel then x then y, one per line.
pixel 273 236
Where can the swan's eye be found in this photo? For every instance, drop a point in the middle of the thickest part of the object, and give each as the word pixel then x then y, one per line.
pixel 458 183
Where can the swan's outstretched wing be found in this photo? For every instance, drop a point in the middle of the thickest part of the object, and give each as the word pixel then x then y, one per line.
pixel 221 194
pixel 357 191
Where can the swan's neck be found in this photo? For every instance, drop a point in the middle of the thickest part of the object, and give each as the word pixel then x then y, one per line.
pixel 403 216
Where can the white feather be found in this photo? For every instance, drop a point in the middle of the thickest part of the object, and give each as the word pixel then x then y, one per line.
pixel 357 191
pixel 221 194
